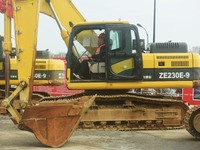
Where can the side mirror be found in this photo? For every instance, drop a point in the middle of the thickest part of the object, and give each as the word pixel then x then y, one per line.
pixel 142 45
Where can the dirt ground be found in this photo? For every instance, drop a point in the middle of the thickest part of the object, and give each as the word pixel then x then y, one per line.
pixel 11 138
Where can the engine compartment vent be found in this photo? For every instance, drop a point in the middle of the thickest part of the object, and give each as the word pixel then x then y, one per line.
pixel 172 57
pixel 40 67
pixel 169 47
pixel 179 63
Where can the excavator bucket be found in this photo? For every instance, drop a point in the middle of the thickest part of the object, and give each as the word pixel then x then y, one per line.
pixel 54 122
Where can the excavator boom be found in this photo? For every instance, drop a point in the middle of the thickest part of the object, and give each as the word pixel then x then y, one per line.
pixel 51 122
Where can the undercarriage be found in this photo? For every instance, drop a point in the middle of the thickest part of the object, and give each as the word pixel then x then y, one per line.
pixel 125 111
pixel 131 112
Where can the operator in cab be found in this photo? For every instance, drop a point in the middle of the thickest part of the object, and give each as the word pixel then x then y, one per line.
pixel 83 71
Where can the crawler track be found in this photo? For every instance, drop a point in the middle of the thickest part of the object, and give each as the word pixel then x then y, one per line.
pixel 130 112
pixel 126 111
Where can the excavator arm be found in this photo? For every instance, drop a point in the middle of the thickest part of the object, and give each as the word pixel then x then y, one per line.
pixel 26 37
pixel 65 14
pixel 26 18
pixel 65 10
pixel 51 122
pixel 26 42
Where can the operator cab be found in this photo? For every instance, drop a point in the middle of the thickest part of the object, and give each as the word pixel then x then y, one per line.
pixel 123 55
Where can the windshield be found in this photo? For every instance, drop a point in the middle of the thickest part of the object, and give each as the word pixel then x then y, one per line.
pixel 86 41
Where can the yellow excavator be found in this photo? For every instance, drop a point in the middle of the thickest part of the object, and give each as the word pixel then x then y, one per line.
pixel 106 99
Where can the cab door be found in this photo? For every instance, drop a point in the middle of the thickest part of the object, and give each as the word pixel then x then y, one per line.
pixel 124 56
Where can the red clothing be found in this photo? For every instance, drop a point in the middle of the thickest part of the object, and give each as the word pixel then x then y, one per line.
pixel 6 9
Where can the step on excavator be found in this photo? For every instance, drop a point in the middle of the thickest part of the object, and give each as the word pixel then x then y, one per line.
pixel 106 102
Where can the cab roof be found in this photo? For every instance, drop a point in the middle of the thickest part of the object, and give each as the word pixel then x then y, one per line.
pixel 102 23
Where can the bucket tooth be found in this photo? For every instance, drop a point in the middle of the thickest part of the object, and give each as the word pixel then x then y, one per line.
pixel 54 123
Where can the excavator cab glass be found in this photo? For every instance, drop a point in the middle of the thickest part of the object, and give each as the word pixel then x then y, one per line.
pixel 119 58
pixel 86 42
pixel 124 55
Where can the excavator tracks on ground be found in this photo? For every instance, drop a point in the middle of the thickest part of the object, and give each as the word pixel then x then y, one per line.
pixel 130 112
pixel 192 121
